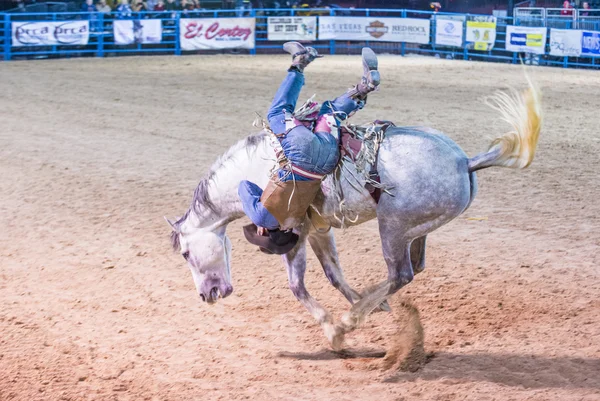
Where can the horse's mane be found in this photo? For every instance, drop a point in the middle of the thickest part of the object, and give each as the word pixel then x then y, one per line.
pixel 201 196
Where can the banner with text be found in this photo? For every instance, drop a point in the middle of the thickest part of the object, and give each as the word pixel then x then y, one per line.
pixel 292 28
pixel 565 42
pixel 411 30
pixel 526 39
pixel 481 32
pixel 590 43
pixel 50 33
pixel 217 33
pixel 137 31
pixel 449 32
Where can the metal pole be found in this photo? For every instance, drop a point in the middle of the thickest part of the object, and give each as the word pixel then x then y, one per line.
pixel 100 51
pixel 253 15
pixel 177 34
pixel 403 45
pixel 367 14
pixel 331 42
pixel 7 36
pixel 464 39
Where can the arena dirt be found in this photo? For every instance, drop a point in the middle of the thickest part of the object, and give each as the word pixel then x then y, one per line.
pixel 95 305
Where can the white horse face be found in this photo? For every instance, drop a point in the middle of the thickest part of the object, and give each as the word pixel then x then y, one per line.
pixel 208 257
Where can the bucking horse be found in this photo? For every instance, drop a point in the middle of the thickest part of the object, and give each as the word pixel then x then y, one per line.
pixel 428 180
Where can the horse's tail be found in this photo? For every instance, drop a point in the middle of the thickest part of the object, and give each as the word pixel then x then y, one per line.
pixel 523 111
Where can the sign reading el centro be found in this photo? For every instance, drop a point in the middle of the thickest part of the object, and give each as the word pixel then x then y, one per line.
pixel 217 33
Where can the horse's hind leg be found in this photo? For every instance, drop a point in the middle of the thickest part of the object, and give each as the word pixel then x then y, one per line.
pixel 417 254
pixel 295 262
pixel 396 244
pixel 400 273
pixel 323 245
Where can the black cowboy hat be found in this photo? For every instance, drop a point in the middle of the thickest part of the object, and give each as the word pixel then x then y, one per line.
pixel 276 241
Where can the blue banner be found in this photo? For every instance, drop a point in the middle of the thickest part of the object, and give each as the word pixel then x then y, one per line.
pixel 518 39
pixel 590 43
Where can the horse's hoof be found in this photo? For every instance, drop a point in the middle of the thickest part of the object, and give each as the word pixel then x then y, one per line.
pixel 335 335
pixel 349 321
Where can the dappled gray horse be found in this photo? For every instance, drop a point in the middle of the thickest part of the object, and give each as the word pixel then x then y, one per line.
pixel 431 182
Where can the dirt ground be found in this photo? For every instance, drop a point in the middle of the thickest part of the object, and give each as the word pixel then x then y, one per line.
pixel 94 305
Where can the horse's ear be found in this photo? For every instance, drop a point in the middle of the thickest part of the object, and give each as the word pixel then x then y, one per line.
pixel 172 224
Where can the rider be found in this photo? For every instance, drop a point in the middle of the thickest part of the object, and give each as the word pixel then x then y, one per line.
pixel 310 145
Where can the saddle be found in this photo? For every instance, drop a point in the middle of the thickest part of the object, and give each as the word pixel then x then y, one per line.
pixel 291 201
pixel 353 145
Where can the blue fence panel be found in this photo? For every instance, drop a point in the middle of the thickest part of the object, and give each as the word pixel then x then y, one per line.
pixel 102 41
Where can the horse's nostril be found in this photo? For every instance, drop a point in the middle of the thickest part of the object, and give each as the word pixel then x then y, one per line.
pixel 214 293
pixel 202 297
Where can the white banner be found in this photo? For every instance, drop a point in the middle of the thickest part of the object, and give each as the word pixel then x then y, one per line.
pixel 565 42
pixel 217 33
pixel 448 32
pixel 137 31
pixel 526 39
pixel 292 28
pixel 481 32
pixel 410 30
pixel 50 33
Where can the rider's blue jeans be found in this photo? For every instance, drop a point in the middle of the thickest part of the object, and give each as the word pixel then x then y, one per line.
pixel 316 152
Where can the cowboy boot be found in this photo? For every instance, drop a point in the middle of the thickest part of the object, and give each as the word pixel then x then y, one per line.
pixel 301 56
pixel 370 80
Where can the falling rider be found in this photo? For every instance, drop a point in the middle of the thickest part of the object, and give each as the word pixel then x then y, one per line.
pixel 308 151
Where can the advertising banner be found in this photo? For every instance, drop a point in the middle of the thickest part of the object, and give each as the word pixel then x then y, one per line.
pixel 411 30
pixel 50 33
pixel 292 28
pixel 137 31
pixel 526 39
pixel 481 32
pixel 448 32
pixel 590 43
pixel 565 42
pixel 217 33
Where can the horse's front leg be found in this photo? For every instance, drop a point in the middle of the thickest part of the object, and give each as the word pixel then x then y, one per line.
pixel 295 262
pixel 323 245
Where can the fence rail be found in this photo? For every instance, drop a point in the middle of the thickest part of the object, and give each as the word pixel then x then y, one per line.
pixel 42 35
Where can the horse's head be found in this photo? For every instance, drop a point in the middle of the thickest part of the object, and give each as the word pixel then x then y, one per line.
pixel 207 252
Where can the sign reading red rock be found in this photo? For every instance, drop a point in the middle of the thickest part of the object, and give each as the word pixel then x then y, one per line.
pixel 410 30
pixel 217 33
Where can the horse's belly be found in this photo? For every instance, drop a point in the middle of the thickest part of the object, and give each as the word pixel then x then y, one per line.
pixel 347 202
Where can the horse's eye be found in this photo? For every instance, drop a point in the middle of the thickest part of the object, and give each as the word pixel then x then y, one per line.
pixel 186 255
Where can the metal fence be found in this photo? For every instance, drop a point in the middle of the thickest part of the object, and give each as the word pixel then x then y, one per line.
pixel 558 18
pixel 102 42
